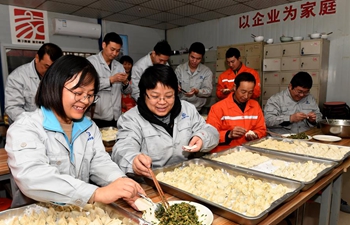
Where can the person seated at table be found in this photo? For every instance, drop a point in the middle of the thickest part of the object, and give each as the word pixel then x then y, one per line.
pixel 238 118
pixel 55 151
pixel 156 131
pixel 127 101
pixel 294 109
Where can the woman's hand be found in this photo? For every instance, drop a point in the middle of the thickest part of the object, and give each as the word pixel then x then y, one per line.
pixel 123 187
pixel 141 164
pixel 194 141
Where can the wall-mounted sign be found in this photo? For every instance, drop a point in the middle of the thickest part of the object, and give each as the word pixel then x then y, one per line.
pixel 28 26
pixel 290 12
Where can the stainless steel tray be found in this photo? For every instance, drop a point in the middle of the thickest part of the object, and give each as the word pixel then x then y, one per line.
pixel 277 156
pixel 118 213
pixel 294 186
pixel 249 145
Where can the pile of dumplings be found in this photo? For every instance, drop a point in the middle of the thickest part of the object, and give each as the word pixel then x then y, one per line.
pixel 247 196
pixel 304 148
pixel 242 158
pixel 68 215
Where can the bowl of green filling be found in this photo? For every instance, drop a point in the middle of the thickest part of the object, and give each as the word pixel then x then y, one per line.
pixel 301 135
pixel 180 212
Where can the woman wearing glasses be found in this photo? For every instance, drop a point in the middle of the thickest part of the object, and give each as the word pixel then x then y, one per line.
pixel 55 151
pixel 156 131
pixel 293 110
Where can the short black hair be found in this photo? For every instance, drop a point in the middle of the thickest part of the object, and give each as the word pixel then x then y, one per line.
pixel 233 52
pixel 245 76
pixel 49 93
pixel 162 48
pixel 155 74
pixel 112 37
pixel 197 47
pixel 52 50
pixel 301 79
pixel 126 58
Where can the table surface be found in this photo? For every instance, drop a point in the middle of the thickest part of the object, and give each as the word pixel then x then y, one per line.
pixel 274 217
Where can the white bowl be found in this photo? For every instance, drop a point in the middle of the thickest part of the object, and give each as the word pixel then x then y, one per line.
pixel 324 36
pixel 298 38
pixel 269 41
pixel 259 38
pixel 315 35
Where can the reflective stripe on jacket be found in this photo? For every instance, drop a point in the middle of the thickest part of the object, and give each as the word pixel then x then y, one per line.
pixel 225 115
pixel 227 78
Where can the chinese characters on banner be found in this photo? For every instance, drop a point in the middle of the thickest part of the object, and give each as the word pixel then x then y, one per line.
pixel 28 26
pixel 290 12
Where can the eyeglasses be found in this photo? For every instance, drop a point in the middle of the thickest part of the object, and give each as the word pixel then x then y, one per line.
pixel 78 96
pixel 158 99
pixel 299 92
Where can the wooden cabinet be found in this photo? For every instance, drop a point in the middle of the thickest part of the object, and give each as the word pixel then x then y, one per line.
pixel 283 60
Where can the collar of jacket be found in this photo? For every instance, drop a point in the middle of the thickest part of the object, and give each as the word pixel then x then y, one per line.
pixel 51 123
pixel 103 61
pixel 198 69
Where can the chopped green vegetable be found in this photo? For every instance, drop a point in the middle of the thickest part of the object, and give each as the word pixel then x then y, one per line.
pixel 298 136
pixel 178 214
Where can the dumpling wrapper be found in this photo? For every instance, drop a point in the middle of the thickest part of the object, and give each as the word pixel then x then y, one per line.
pixel 190 147
pixel 143 204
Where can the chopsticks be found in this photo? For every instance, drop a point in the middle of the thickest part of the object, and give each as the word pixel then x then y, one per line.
pixel 159 189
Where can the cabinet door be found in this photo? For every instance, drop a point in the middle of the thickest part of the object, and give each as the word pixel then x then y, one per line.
pixel 290 49
pixel 269 91
pixel 309 63
pixel 312 47
pixel 272 64
pixel 271 78
pixel 315 92
pixel 217 74
pixel 221 65
pixel 290 63
pixel 253 62
pixel 175 59
pixel 315 77
pixel 286 77
pixel 184 58
pixel 210 56
pixel 211 66
pixel 272 51
pixel 253 49
pixel 221 52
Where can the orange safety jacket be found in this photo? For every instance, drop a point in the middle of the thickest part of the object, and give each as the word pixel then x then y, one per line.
pixel 225 115
pixel 227 78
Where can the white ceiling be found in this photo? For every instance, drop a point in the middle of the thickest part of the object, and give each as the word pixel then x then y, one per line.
pixel 160 14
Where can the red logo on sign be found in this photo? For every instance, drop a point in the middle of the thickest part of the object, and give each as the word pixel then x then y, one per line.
pixel 29 24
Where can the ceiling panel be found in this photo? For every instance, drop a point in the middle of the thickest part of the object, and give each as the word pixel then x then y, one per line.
pixel 59 7
pixel 162 5
pixel 210 4
pixel 160 14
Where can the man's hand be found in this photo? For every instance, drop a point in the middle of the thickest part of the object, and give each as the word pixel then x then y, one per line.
pixel 193 91
pixel 311 117
pixel 237 132
pixel 194 141
pixel 119 77
pixel 296 117
pixel 225 91
pixel 141 164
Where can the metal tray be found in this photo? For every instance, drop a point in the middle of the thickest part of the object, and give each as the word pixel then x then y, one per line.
pixel 221 210
pixel 119 213
pixel 309 143
pixel 277 156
